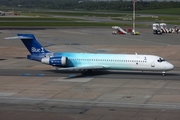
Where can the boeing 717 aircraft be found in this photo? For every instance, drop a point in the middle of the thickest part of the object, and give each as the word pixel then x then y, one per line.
pixel 87 62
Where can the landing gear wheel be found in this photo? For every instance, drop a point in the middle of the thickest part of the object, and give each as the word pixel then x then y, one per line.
pixel 85 72
pixel 163 73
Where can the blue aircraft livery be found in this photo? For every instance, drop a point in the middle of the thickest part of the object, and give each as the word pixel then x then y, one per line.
pixel 87 62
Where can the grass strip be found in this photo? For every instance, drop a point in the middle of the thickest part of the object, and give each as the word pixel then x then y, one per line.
pixel 37 19
pixel 9 24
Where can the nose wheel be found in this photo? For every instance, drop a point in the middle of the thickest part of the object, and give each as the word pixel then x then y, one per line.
pixel 164 73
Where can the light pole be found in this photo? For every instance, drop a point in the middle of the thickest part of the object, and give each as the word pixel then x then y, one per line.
pixel 134 16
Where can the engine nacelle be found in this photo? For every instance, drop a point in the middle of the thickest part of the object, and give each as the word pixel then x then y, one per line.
pixel 55 61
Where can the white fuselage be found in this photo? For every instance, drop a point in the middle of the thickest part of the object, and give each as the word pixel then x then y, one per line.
pixel 115 61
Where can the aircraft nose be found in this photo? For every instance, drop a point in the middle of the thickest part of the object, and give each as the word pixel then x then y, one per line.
pixel 170 66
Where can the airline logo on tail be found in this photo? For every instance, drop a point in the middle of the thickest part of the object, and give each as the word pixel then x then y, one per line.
pixel 37 50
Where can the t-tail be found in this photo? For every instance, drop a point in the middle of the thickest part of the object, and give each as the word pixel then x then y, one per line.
pixel 33 46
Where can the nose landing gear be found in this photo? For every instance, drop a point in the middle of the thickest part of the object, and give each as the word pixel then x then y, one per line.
pixel 164 73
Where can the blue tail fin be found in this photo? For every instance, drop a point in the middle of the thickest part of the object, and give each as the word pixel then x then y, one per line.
pixel 33 46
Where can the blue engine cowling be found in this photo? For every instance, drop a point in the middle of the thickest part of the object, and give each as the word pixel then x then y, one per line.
pixel 55 61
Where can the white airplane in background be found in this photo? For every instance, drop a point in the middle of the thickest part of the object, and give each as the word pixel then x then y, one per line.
pixel 86 62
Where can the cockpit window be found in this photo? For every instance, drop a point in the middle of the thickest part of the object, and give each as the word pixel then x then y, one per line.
pixel 161 60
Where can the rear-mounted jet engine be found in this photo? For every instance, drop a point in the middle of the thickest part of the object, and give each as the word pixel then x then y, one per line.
pixel 55 61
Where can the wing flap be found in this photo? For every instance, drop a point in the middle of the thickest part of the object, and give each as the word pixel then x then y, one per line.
pixel 82 68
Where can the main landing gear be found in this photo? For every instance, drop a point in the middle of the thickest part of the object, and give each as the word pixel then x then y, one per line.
pixel 86 72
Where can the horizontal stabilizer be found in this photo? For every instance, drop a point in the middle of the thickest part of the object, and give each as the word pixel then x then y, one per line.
pixel 18 37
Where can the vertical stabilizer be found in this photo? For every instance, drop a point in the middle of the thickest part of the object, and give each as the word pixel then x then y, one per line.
pixel 31 43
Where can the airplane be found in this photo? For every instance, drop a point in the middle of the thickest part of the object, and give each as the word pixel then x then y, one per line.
pixel 87 62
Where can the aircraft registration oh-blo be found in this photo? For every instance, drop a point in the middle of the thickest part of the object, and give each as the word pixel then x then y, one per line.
pixel 87 62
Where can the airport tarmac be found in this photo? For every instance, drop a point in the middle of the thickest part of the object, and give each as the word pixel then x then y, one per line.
pixel 31 90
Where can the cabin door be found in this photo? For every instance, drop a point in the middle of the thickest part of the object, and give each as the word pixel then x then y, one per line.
pixel 153 64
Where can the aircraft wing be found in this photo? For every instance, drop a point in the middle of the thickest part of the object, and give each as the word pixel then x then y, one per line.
pixel 82 68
